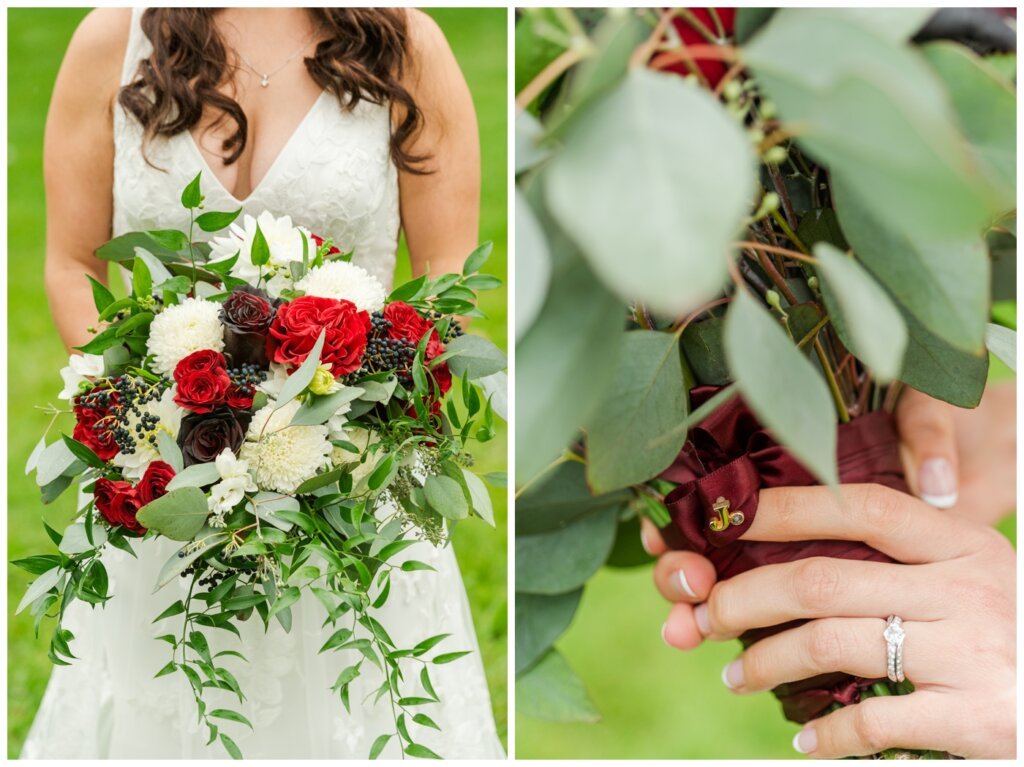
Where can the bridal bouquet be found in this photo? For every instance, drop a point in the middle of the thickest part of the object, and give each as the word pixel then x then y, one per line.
pixel 262 401
pixel 760 226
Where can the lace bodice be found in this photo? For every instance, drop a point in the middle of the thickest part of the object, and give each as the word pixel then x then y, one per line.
pixel 334 175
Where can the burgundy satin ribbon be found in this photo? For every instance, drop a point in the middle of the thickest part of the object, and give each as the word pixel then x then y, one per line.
pixel 729 455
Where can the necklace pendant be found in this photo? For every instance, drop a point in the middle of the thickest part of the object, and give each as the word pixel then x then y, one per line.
pixel 264 81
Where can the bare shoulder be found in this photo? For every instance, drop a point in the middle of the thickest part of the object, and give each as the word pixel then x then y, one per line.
pixel 96 52
pixel 428 47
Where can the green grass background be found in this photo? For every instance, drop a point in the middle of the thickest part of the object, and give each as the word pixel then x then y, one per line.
pixel 37 40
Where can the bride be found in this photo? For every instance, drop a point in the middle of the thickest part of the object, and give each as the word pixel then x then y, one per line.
pixel 357 123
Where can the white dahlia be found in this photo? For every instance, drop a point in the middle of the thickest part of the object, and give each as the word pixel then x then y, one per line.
pixel 180 330
pixel 284 240
pixel 133 465
pixel 282 456
pixel 342 280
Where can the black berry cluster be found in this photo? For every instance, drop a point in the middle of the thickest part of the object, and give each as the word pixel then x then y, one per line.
pixel 384 353
pixel 247 377
pixel 454 328
pixel 129 397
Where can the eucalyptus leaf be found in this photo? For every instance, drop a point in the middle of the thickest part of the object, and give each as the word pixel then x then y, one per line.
pixel 474 357
pixel 39 586
pixel 656 216
pixel 781 386
pixel 560 498
pixel 76 541
pixel 551 362
pixel 540 620
pixel 563 560
pixel 870 108
pixel 944 283
pixel 196 475
pixel 53 461
pixel 874 322
pixel 320 408
pixel 169 451
pixel 446 497
pixel 533 265
pixel 551 691
pixel 633 434
pixel 934 367
pixel 702 345
pixel 178 515
pixel 299 380
pixel 1002 342
pixel 480 496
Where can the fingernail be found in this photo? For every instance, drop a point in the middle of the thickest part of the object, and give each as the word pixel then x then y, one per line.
pixel 684 585
pixel 937 483
pixel 664 628
pixel 700 615
pixel 805 741
pixel 643 541
pixel 732 675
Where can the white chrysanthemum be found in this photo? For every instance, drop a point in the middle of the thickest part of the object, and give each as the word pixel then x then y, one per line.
pixel 275 380
pixel 282 456
pixel 169 413
pixel 284 240
pixel 180 330
pixel 80 367
pixel 340 279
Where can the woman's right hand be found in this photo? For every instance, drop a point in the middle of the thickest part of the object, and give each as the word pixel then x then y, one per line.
pixel 956 459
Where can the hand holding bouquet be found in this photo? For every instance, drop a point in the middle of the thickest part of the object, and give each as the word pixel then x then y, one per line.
pixel 262 400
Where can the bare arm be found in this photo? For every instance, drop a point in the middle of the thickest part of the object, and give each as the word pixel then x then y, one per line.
pixel 78 167
pixel 440 211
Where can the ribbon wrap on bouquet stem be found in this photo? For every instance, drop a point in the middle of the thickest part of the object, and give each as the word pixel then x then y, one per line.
pixel 729 457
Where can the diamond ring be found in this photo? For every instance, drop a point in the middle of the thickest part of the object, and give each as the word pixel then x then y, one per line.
pixel 894 636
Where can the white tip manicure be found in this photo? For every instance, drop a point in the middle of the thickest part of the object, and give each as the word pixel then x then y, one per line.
pixel 681 577
pixel 796 743
pixel 947 501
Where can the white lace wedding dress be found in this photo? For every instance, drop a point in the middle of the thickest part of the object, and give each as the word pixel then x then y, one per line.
pixel 334 176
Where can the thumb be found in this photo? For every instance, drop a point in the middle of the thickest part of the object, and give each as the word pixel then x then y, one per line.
pixel 928 447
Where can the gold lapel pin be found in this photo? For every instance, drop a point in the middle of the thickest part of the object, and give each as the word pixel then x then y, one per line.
pixel 724 518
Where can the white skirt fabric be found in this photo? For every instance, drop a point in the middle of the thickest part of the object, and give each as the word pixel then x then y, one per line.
pixel 108 705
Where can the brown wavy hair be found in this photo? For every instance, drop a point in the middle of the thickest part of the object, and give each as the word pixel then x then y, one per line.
pixel 363 57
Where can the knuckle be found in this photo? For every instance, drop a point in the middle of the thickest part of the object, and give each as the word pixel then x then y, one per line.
pixel 870 728
pixel 980 597
pixel 721 607
pixel 995 547
pixel 816 583
pixel 825 646
pixel 756 668
pixel 884 511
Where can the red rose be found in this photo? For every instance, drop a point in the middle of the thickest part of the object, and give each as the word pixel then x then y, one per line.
pixel 118 503
pixel 203 360
pixel 240 398
pixel 406 322
pixel 712 69
pixel 203 381
pixel 441 373
pixel 298 325
pixel 154 482
pixel 95 421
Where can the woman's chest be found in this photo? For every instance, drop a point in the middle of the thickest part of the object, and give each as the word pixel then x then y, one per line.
pixel 333 173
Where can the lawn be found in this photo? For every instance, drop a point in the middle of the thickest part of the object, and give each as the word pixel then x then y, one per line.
pixel 36 42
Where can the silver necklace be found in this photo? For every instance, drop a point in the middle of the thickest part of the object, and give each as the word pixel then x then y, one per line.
pixel 265 76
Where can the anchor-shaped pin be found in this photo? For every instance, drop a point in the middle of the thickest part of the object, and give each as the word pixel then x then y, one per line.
pixel 724 518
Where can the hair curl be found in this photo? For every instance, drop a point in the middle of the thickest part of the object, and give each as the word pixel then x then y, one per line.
pixel 362 57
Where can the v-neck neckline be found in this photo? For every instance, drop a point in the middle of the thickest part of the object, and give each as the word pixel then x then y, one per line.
pixel 270 171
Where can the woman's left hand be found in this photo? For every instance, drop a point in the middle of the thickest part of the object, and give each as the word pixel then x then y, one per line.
pixel 955 594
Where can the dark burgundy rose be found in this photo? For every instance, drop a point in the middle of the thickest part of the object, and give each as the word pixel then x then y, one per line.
pixel 154 482
pixel 118 503
pixel 203 436
pixel 94 422
pixel 246 315
pixel 298 324
pixel 730 455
